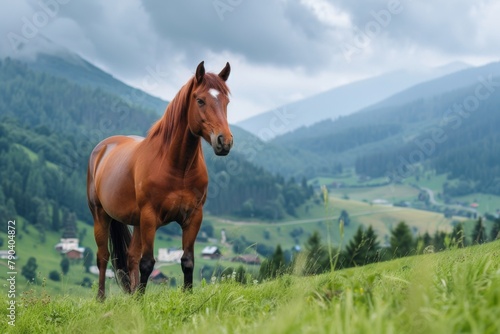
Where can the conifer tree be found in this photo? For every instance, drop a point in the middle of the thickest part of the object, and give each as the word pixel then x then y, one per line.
pixel 401 240
pixel 317 258
pixel 458 236
pixel 495 230
pixel 479 233
pixel 29 269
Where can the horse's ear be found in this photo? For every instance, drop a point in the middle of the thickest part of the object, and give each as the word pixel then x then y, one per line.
pixel 224 74
pixel 200 72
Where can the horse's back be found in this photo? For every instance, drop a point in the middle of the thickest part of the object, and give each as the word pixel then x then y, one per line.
pixel 110 181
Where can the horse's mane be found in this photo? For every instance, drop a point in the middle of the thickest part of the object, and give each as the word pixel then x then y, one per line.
pixel 176 110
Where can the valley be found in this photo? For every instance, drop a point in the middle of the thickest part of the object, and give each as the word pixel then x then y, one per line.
pixel 266 193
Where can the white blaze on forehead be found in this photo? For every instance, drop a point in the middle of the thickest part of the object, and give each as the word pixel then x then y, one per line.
pixel 214 92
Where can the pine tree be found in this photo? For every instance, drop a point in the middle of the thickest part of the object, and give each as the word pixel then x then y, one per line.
pixel 88 259
pixel 70 229
pixel 478 234
pixel 353 251
pixel 363 248
pixel 274 266
pixel 458 236
pixel 401 240
pixel 372 246
pixel 344 216
pixel 29 270
pixel 65 265
pixel 438 241
pixel 495 230
pixel 317 259
pixel 56 221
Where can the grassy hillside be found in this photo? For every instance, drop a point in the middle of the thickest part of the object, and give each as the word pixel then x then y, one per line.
pixel 455 291
pixel 287 233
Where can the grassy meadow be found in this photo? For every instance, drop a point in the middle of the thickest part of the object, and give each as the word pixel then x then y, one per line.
pixel 456 291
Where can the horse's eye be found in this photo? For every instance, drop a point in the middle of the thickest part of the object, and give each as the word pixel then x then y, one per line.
pixel 200 102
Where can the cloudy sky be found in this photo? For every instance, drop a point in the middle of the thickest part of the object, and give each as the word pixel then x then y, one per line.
pixel 279 50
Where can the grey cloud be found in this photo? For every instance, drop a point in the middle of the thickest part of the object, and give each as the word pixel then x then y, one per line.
pixel 279 32
pixel 445 26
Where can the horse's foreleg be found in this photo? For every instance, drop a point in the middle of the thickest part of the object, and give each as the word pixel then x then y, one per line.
pixel 134 255
pixel 190 230
pixel 101 234
pixel 147 263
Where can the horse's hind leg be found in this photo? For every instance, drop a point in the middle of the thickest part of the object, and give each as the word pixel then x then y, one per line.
pixel 134 255
pixel 101 234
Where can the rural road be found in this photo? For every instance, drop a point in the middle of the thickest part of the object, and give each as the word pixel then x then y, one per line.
pixel 313 220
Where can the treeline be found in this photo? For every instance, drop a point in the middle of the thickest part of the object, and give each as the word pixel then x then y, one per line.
pixel 250 191
pixel 323 140
pixel 465 145
pixel 364 248
pixel 49 127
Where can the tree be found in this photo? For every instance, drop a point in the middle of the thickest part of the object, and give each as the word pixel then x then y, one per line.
pixel 54 276
pixel 65 265
pixel 29 269
pixel 479 233
pixel 344 216
pixel 401 240
pixel 88 259
pixel 70 229
pixel 241 275
pixel 274 266
pixel 458 236
pixel 363 248
pixel 439 241
pixel 317 258
pixel 56 221
pixel 495 230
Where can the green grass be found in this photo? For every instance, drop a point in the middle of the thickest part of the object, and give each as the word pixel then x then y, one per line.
pixel 456 291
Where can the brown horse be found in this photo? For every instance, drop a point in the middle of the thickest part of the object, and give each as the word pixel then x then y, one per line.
pixel 150 182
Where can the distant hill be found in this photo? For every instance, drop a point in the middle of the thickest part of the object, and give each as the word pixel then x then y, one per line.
pixel 73 68
pixel 379 140
pixel 344 100
pixel 50 125
pixel 275 158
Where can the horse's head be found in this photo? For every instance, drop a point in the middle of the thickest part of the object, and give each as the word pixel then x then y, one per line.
pixel 208 109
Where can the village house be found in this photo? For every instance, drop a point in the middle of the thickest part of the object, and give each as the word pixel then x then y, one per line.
pixel 171 255
pixel 247 259
pixel 211 252
pixel 158 277
pixel 109 272
pixel 70 248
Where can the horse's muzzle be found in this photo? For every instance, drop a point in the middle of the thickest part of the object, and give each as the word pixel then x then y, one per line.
pixel 222 144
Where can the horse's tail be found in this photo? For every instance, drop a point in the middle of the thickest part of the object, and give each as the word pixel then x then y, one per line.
pixel 120 237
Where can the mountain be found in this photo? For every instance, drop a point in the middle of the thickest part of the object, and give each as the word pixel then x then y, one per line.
pixel 449 124
pixel 343 100
pixel 275 158
pixel 50 125
pixel 73 68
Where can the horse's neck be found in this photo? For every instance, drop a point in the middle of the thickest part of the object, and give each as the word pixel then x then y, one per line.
pixel 173 140
pixel 183 150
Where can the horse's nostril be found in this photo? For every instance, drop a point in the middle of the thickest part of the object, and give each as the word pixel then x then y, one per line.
pixel 220 140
